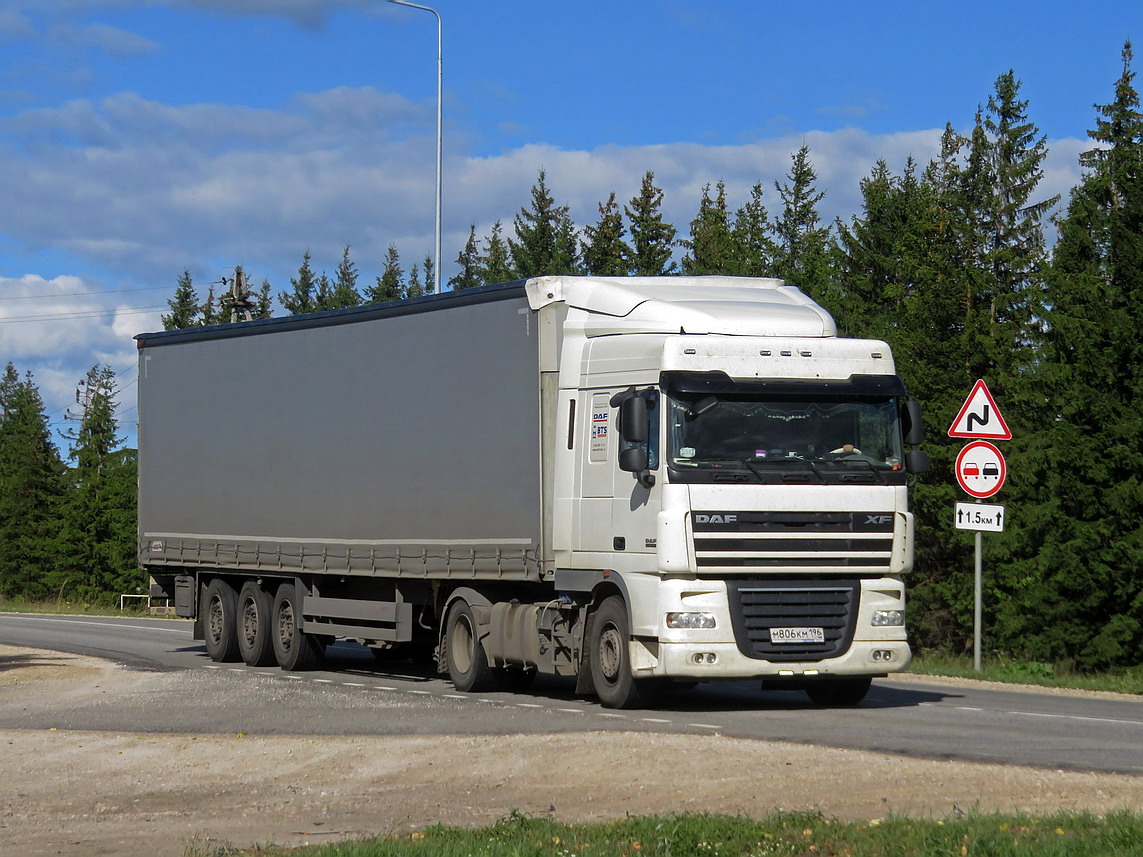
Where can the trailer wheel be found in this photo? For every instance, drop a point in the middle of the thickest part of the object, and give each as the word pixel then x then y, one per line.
pixel 220 608
pixel 255 638
pixel 611 657
pixel 838 691
pixel 467 661
pixel 293 648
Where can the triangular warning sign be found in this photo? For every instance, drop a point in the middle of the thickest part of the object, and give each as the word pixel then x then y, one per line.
pixel 979 416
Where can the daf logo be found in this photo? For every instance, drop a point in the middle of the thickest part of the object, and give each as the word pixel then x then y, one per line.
pixel 878 519
pixel 716 519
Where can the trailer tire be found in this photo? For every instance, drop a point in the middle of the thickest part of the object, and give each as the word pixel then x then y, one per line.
pixel 611 656
pixel 220 622
pixel 464 653
pixel 255 620
pixel 838 691
pixel 293 648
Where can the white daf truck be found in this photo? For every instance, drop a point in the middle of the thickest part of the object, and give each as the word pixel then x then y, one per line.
pixel 632 481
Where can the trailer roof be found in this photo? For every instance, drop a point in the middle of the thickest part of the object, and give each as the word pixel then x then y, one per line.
pixel 727 305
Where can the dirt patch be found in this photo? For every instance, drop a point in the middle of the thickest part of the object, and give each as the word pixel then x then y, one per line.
pixel 101 793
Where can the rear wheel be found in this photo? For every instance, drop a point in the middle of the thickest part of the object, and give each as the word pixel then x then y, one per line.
pixel 838 691
pixel 255 637
pixel 219 609
pixel 464 653
pixel 611 656
pixel 293 648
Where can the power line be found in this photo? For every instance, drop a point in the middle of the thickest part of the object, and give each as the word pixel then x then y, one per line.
pixel 81 314
pixel 80 294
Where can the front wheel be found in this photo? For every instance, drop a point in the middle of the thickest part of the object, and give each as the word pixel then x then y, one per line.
pixel 838 691
pixel 464 653
pixel 610 653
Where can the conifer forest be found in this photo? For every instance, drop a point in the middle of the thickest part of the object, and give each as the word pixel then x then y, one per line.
pixel 961 264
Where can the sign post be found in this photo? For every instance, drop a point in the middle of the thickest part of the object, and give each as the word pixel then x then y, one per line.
pixel 980 472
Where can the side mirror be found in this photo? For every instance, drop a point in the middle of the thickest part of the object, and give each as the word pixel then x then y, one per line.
pixel 633 420
pixel 914 423
pixel 916 461
pixel 633 459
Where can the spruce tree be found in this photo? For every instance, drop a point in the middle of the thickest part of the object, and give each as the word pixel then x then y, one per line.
pixel 414 289
pixel 184 305
pixel 802 243
pixel 652 239
pixel 545 242
pixel 263 304
pixel 604 251
pixel 1082 600
pixel 430 275
pixel 495 264
pixel 469 262
pixel 31 490
pixel 98 534
pixel 390 286
pixel 344 293
pixel 754 249
pixel 303 296
pixel 710 248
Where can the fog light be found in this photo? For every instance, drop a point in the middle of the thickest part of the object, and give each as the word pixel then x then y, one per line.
pixel 884 618
pixel 690 621
pixel 882 654
pixel 703 658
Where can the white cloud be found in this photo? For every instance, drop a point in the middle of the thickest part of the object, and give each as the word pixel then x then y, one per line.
pixel 116 42
pixel 144 189
pixel 59 328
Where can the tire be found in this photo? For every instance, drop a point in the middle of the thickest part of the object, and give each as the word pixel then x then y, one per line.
pixel 255 634
pixel 220 624
pixel 293 648
pixel 464 653
pixel 838 691
pixel 611 657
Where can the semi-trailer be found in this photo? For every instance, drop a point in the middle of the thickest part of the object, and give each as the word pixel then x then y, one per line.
pixel 630 481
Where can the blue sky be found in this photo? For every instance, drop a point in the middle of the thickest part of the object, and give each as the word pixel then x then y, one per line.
pixel 142 137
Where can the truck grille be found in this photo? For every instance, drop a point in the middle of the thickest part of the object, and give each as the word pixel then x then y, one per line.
pixel 758 605
pixel 734 541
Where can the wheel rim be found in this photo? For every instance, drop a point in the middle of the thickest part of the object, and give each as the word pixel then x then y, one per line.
pixel 462 642
pixel 286 626
pixel 610 653
pixel 250 622
pixel 216 619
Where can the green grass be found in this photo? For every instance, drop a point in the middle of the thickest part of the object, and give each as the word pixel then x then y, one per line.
pixel 134 607
pixel 782 835
pixel 998 668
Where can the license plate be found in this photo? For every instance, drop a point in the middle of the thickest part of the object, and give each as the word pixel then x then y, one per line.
pixel 797 635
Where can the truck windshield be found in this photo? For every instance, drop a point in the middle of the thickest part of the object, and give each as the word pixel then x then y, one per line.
pixel 756 433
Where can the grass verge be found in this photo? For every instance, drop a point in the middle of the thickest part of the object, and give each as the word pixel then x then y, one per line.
pixel 782 835
pixel 1001 669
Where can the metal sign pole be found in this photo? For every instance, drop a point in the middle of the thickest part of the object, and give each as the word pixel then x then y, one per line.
pixel 977 602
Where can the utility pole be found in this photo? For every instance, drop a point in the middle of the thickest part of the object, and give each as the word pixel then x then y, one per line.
pixel 238 299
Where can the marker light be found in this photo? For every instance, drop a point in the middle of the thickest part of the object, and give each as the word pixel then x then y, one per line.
pixel 691 621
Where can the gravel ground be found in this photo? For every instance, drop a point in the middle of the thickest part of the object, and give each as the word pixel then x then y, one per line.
pixel 76 792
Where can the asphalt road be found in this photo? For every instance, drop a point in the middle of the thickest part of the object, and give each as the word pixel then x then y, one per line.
pixel 357 695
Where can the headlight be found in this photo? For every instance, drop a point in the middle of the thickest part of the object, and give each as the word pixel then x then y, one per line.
pixel 690 620
pixel 883 618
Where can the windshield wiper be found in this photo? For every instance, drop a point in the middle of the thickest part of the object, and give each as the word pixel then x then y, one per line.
pixel 867 463
pixel 753 463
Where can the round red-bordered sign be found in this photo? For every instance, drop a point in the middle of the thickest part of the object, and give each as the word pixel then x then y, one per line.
pixel 980 469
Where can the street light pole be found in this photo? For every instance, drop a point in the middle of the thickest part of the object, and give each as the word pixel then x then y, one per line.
pixel 440 87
